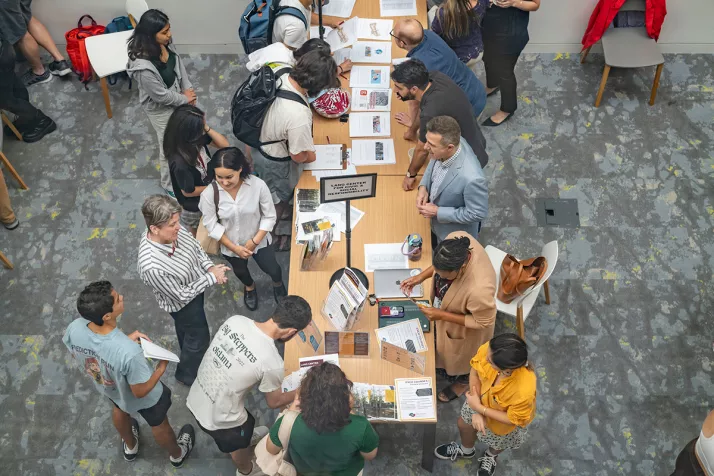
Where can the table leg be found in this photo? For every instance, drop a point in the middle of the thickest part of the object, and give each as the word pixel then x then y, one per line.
pixel 427 446
pixel 105 93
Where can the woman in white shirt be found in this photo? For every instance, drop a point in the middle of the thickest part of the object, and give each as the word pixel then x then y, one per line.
pixel 697 458
pixel 246 215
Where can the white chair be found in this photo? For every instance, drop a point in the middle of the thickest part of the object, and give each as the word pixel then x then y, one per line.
pixel 521 307
pixel 108 54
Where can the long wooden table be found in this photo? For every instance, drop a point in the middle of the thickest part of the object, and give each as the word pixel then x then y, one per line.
pixel 339 132
pixel 388 218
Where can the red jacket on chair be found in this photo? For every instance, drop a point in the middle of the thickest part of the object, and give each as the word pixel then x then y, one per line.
pixel 605 12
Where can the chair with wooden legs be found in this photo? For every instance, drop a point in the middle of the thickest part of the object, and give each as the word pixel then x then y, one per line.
pixel 9 124
pixel 6 262
pixel 521 307
pixel 4 160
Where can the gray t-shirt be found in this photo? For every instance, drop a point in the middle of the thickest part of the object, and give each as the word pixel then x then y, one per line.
pixel 113 362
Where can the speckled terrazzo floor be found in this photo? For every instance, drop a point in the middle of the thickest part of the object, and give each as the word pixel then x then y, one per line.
pixel 623 353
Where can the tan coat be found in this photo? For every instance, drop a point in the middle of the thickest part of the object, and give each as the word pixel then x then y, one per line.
pixel 473 295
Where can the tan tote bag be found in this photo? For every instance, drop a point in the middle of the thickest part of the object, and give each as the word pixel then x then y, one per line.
pixel 276 465
pixel 209 245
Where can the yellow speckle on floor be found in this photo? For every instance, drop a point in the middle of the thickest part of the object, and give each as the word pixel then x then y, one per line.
pixel 133 225
pixel 526 136
pixel 588 124
pixel 95 173
pixel 54 215
pixel 558 56
pixel 609 275
pixel 220 77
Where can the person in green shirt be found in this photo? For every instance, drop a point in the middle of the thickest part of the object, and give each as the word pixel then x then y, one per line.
pixel 326 439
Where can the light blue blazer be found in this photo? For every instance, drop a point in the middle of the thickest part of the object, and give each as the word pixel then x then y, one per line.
pixel 462 197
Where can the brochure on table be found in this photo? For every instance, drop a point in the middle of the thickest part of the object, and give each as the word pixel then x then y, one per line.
pixel 384 256
pixel 347 344
pixel 292 381
pixel 327 157
pixel 339 207
pixel 379 52
pixel 345 301
pixel 370 124
pixel 374 29
pixel 373 152
pixel 402 357
pixel 407 335
pixel 415 399
pixel 309 224
pixel 343 36
pixel 376 77
pixel 337 8
pixel 374 402
pixel 364 99
pixel 309 339
pixel 397 8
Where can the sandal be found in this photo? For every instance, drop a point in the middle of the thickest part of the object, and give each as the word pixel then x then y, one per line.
pixel 283 243
pixel 449 393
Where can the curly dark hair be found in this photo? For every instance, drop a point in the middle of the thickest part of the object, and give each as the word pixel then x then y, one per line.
pixel 95 301
pixel 315 70
pixel 325 398
pixel 452 253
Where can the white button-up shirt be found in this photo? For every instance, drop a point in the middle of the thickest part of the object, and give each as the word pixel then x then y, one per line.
pixel 242 217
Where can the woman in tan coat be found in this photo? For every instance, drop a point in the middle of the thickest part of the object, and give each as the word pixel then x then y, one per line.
pixel 463 306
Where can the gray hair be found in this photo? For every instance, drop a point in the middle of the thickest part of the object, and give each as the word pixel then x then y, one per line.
pixel 447 128
pixel 158 209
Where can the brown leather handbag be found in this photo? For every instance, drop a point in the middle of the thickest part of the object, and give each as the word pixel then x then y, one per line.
pixel 517 277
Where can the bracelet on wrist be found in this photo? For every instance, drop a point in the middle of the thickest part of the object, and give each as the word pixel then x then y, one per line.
pixel 256 244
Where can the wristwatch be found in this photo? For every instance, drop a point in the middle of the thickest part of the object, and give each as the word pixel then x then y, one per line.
pixel 411 176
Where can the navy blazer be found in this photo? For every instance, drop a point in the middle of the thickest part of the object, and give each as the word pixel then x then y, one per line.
pixel 462 197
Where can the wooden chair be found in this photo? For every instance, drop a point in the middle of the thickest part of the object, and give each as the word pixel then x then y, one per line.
pixel 6 262
pixel 9 124
pixel 521 307
pixel 6 162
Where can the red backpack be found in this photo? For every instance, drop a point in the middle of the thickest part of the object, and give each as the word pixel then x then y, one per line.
pixel 76 50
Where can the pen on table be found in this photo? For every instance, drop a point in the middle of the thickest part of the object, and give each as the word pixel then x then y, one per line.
pixel 328 139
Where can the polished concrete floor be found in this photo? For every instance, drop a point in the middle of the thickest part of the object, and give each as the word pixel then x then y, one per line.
pixel 623 353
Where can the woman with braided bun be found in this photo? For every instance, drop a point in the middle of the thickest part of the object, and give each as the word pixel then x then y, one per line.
pixel 463 306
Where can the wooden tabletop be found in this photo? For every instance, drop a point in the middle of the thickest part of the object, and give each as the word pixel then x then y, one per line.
pixel 339 132
pixel 389 218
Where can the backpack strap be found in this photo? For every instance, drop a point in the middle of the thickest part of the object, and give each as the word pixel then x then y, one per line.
pixel 292 11
pixel 281 93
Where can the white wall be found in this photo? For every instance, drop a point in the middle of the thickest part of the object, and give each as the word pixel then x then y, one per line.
pixel 211 26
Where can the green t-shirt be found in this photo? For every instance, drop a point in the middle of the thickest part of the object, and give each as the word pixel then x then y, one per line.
pixel 167 70
pixel 329 454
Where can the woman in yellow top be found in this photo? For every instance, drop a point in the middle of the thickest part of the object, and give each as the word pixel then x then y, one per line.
pixel 500 404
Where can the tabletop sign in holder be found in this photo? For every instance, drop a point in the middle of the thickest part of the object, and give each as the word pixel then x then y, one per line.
pixel 402 357
pixel 346 188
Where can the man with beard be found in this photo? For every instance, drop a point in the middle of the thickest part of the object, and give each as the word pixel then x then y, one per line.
pixel 437 95
pixel 241 356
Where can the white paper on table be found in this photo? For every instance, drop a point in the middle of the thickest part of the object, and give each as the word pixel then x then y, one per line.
pixel 396 61
pixel 327 157
pixel 379 52
pixel 407 335
pixel 364 99
pixel 375 29
pixel 373 152
pixel 315 31
pixel 350 170
pixel 370 124
pixel 384 256
pixel 339 207
pixel 397 8
pixel 343 36
pixel 341 55
pixel 415 399
pixel 303 217
pixel 376 77
pixel 153 351
pixel 338 8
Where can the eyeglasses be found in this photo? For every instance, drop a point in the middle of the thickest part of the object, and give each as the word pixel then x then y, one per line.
pixel 391 33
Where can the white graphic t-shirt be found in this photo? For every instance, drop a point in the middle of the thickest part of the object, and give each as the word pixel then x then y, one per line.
pixel 239 357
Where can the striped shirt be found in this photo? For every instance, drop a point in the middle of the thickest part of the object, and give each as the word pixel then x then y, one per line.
pixel 439 172
pixel 177 272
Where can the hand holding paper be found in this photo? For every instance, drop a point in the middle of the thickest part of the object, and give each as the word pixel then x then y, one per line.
pixel 153 351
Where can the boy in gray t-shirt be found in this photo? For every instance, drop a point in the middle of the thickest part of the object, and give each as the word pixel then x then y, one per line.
pixel 115 362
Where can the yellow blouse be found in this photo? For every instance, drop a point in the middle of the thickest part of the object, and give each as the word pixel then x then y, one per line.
pixel 515 395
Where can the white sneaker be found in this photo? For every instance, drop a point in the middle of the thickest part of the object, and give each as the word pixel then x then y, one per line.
pixel 255 472
pixel 259 433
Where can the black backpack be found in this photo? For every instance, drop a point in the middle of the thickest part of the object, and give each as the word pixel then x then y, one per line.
pixel 250 105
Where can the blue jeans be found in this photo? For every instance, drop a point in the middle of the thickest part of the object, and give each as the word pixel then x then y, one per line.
pixel 193 337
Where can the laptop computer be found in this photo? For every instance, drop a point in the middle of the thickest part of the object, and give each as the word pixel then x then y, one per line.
pixel 387 281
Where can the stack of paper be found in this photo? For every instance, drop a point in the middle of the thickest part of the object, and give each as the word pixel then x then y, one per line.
pixel 327 157
pixel 310 224
pixel 370 124
pixel 384 256
pixel 415 399
pixel 373 152
pixel 338 8
pixel 374 402
pixel 340 208
pixel 308 199
pixel 397 8
pixel 345 301
pixel 316 250
pixel 292 381
pixel 407 335
pixel 153 351
pixel 372 29
pixel 364 99
pixel 379 52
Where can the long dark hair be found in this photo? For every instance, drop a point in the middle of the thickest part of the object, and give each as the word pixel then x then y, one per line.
pixel 231 158
pixel 325 398
pixel 458 18
pixel 509 351
pixel 142 44
pixel 183 134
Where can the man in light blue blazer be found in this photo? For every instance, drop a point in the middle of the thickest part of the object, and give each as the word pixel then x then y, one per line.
pixel 453 192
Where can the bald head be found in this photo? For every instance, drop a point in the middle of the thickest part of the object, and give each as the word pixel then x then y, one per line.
pixel 409 33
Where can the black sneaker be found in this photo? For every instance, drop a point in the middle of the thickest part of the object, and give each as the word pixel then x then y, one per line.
pixel 12 225
pixel 135 431
pixel 60 68
pixel 30 78
pixel 250 298
pixel 185 441
pixel 40 130
pixel 279 291
pixel 487 465
pixel 452 451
